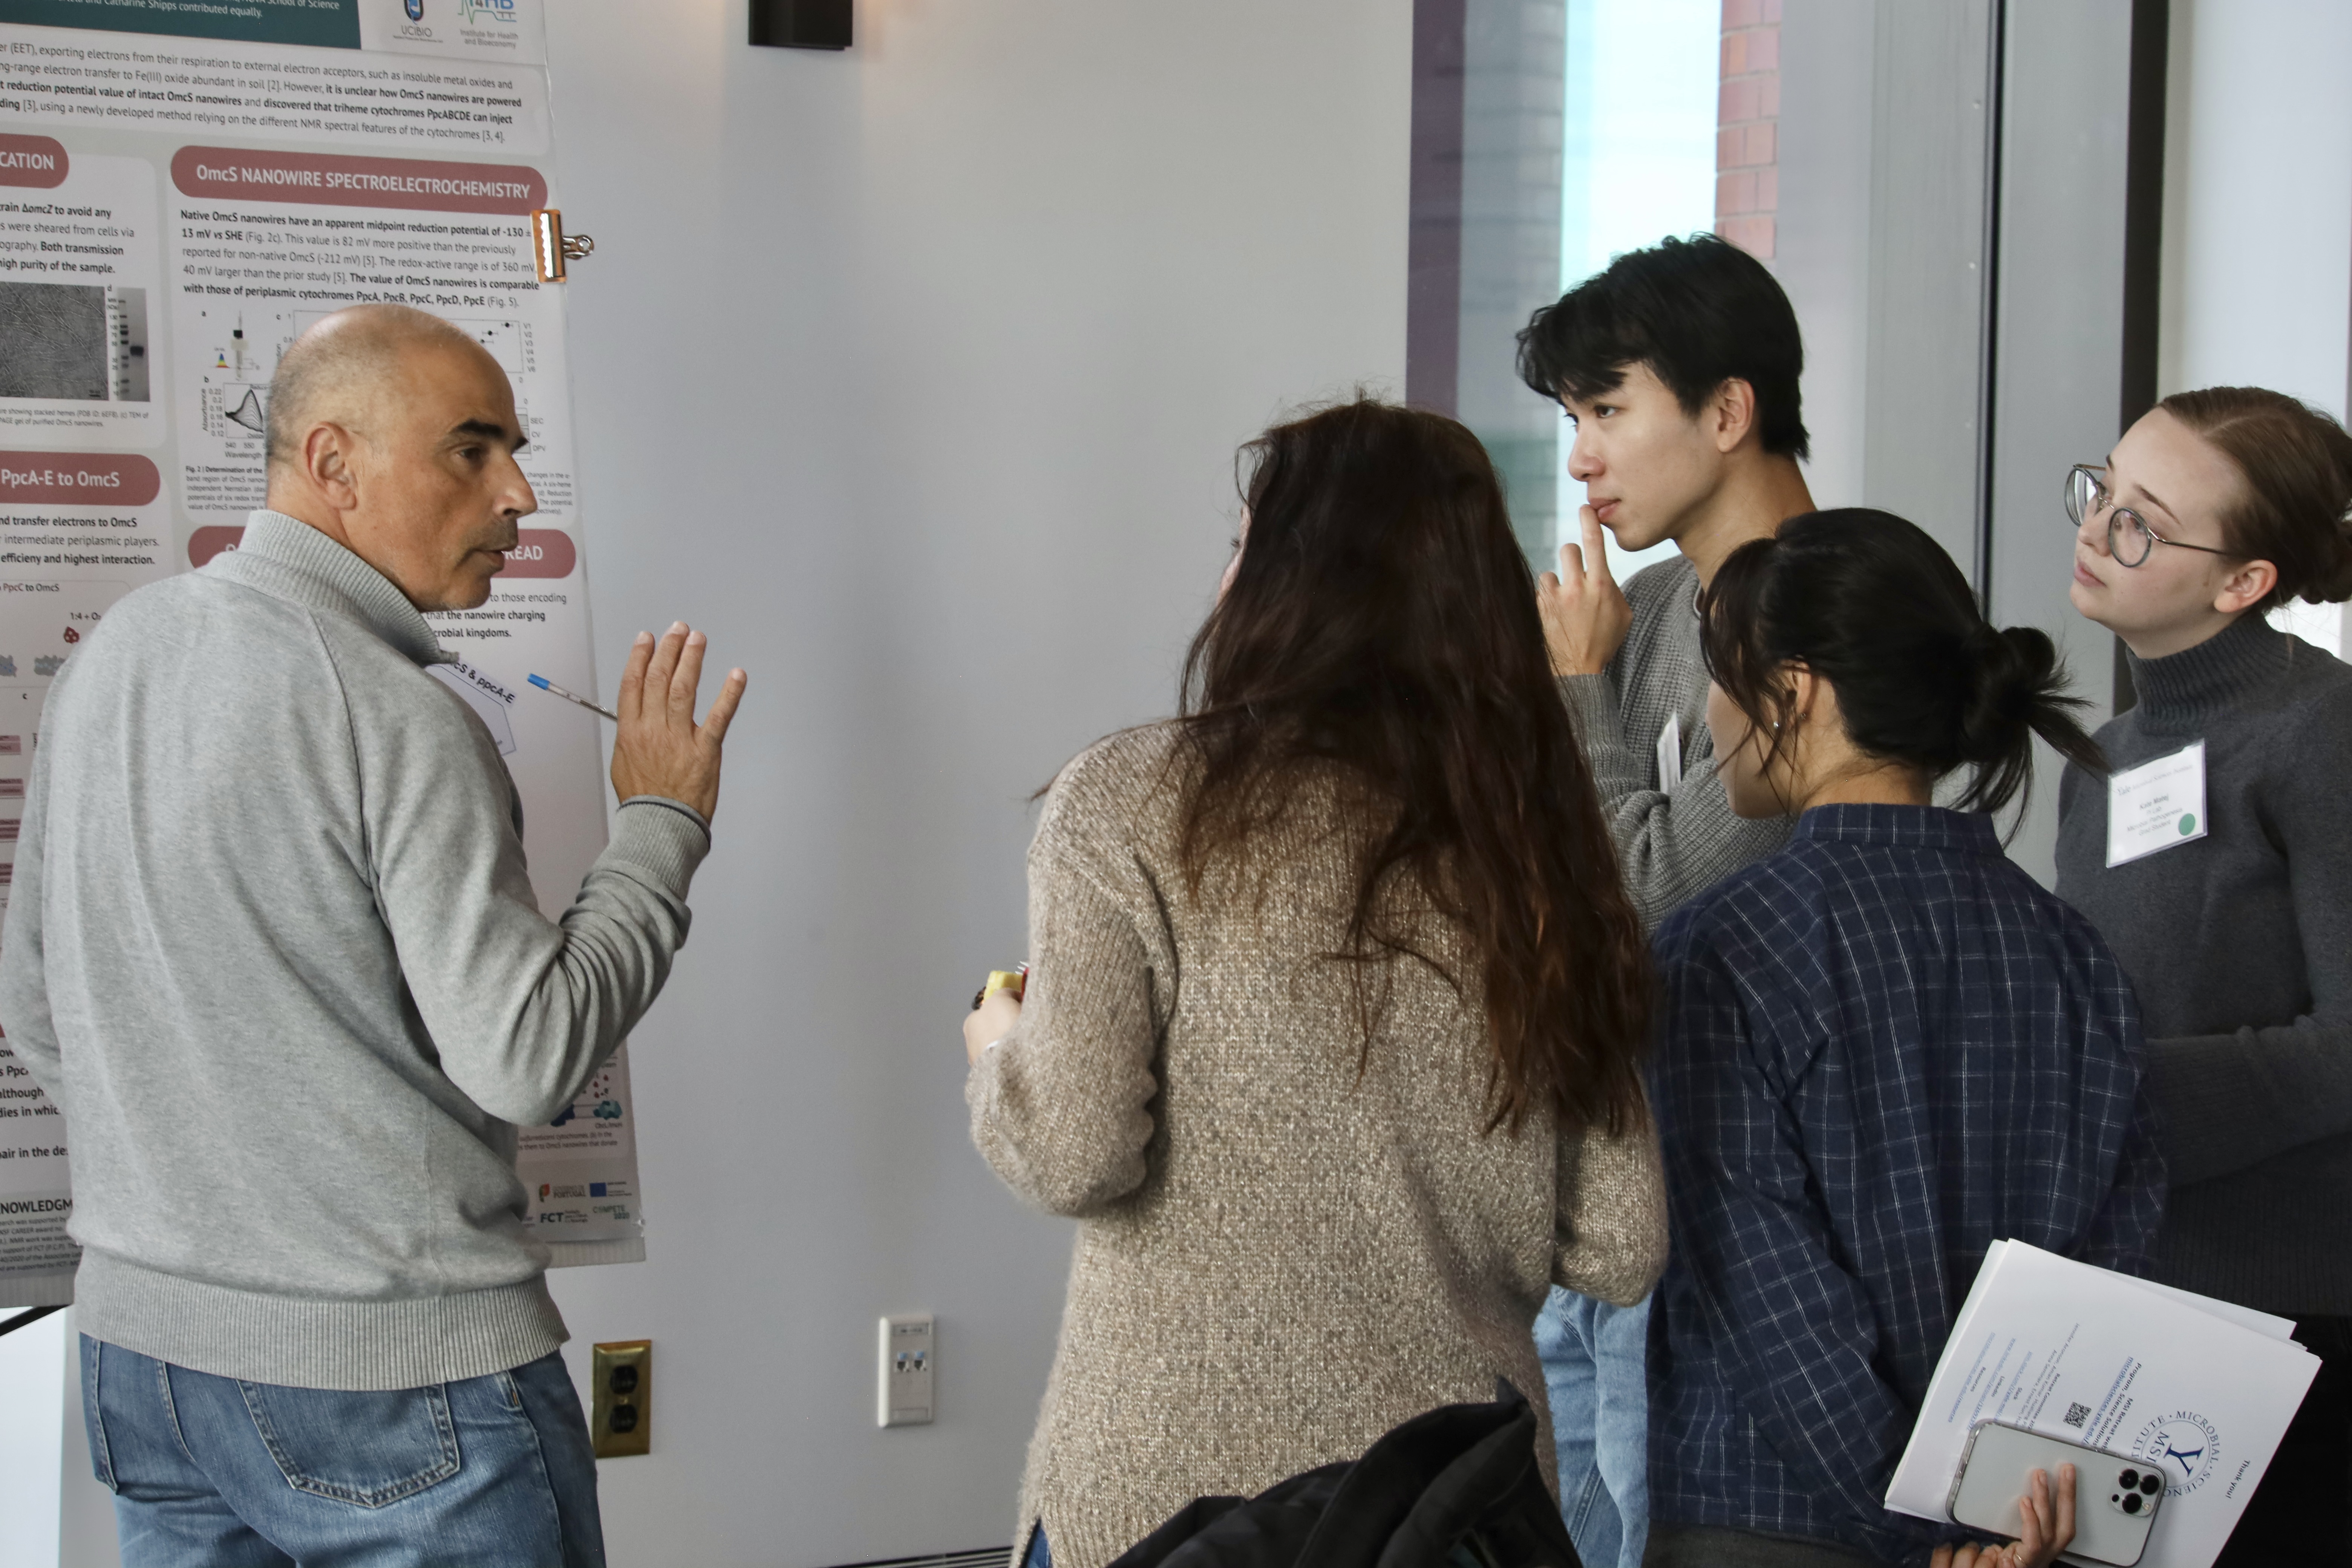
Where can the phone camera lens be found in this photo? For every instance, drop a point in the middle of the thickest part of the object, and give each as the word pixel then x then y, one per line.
pixel 2132 1503
pixel 2129 1480
pixel 2151 1484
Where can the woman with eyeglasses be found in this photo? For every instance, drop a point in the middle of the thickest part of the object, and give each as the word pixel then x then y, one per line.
pixel 2216 858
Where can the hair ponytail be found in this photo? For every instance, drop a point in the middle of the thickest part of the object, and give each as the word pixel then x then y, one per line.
pixel 2019 691
pixel 1874 607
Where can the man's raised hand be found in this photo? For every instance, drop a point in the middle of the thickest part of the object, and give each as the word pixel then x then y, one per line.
pixel 1585 615
pixel 660 749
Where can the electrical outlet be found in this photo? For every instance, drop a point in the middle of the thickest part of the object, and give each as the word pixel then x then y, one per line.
pixel 908 1363
pixel 622 1418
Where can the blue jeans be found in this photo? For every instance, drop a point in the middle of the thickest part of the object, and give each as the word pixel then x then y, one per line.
pixel 1039 1554
pixel 493 1471
pixel 1596 1369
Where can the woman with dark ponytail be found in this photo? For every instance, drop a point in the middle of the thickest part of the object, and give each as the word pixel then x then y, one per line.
pixel 2224 880
pixel 1885 1047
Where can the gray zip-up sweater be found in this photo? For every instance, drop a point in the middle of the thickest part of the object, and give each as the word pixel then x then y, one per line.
pixel 2240 946
pixel 272 949
pixel 1671 843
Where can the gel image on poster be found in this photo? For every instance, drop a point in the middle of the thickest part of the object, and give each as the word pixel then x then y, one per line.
pixel 79 269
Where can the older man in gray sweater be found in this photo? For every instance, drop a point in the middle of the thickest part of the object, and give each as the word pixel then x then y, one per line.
pixel 273 950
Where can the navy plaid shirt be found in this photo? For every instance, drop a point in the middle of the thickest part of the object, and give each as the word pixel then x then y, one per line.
pixel 1885 1047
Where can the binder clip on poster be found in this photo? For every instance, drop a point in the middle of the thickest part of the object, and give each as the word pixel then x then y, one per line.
pixel 553 248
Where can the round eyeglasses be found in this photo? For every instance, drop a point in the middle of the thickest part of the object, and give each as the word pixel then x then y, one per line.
pixel 2129 538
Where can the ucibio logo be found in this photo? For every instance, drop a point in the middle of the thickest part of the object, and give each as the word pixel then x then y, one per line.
pixel 416 9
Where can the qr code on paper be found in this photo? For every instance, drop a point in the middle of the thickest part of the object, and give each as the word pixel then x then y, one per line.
pixel 2077 1413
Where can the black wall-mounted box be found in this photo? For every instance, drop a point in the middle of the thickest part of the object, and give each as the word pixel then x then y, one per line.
pixel 800 24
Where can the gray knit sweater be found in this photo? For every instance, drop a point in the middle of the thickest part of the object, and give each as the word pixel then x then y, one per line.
pixel 1286 1243
pixel 272 949
pixel 2240 946
pixel 1671 843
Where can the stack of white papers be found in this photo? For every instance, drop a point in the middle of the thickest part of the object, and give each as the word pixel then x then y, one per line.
pixel 2199 1388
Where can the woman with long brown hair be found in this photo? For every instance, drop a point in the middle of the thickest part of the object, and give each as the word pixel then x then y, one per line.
pixel 1332 1036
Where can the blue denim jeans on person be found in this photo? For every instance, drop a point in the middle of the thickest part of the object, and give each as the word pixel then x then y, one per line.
pixel 1596 1370
pixel 1039 1554
pixel 491 1472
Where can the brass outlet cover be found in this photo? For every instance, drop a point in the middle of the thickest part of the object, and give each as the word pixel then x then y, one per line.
pixel 621 1420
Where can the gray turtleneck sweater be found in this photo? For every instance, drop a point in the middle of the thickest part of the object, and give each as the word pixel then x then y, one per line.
pixel 1672 844
pixel 2240 946
pixel 273 950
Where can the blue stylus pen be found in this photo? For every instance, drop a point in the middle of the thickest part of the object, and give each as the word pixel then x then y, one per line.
pixel 546 684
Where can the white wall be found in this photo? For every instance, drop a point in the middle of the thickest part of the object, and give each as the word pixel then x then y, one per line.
pixel 33 1362
pixel 2258 211
pixel 915 373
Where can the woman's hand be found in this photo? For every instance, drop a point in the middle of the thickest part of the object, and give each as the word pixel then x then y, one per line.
pixel 992 1021
pixel 2049 1523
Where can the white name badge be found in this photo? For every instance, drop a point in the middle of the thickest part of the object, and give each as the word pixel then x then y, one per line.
pixel 2157 804
pixel 1670 753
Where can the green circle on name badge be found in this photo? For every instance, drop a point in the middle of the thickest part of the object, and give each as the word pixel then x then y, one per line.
pixel 2189 824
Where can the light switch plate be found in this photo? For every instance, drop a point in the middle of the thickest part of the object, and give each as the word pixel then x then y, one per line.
pixel 621 1421
pixel 903 1397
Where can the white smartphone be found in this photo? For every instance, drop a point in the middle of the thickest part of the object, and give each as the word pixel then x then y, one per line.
pixel 2115 1496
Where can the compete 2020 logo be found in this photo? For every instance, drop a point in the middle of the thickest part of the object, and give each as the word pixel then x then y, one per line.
pixel 2185 1445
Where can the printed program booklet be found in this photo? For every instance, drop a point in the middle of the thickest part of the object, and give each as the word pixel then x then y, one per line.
pixel 2199 1389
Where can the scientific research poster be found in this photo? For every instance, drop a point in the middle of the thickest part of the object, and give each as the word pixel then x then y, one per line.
pixel 185 186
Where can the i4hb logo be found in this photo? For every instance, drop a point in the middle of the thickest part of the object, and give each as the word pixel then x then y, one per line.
pixel 475 10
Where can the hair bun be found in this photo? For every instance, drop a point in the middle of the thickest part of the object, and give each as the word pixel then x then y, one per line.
pixel 2331 577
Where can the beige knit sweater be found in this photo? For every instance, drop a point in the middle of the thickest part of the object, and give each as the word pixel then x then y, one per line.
pixel 1278 1260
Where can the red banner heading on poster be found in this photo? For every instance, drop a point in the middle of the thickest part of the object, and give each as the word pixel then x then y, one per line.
pixel 78 479
pixel 325 179
pixel 39 162
pixel 538 552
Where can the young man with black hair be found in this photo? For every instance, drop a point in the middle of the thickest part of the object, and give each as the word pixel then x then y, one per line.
pixel 1679 366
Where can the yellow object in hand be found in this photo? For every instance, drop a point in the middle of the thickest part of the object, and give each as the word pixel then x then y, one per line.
pixel 1014 980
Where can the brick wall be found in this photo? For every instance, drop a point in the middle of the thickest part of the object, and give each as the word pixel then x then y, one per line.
pixel 1747 116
